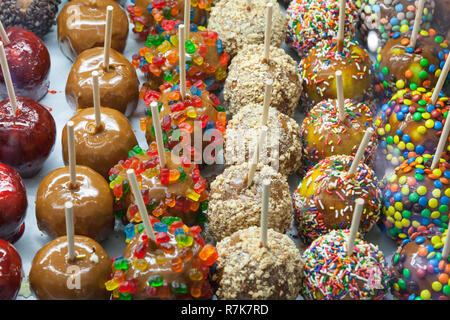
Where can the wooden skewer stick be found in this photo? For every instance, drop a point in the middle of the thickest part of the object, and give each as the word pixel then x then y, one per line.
pixel 3 34
pixel 70 230
pixel 255 159
pixel 445 131
pixel 182 56
pixel 441 81
pixel 265 211
pixel 417 23
pixel 267 100
pixel 8 80
pixel 187 18
pixel 268 31
pixel 359 206
pixel 446 249
pixel 72 158
pixel 340 95
pixel 159 135
pixel 141 205
pixel 96 94
pixel 108 34
pixel 340 36
pixel 361 150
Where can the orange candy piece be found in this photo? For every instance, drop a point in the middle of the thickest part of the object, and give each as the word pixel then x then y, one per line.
pixel 409 74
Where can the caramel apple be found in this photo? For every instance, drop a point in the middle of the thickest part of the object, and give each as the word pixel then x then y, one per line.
pixel 29 64
pixel 81 26
pixel 54 276
pixel 91 198
pixel 119 87
pixel 100 148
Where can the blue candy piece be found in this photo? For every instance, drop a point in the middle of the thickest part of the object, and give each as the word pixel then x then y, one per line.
pixel 419 240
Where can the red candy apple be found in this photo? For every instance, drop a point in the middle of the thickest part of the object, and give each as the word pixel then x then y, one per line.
pixel 29 64
pixel 26 138
pixel 10 271
pixel 13 204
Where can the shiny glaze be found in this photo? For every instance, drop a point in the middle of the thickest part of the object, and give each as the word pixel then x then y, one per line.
pixel 92 203
pixel 397 60
pixel 10 271
pixel 119 87
pixel 27 139
pixel 29 64
pixel 81 26
pixel 165 270
pixel 13 204
pixel 50 271
pixel 100 149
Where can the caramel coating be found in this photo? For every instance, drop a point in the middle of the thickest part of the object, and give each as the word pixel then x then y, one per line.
pixel 53 276
pixel 283 143
pixel 324 135
pixel 247 270
pixel 248 73
pixel 119 87
pixel 92 203
pixel 318 70
pixel 100 148
pixel 325 199
pixel 81 26
pixel 233 206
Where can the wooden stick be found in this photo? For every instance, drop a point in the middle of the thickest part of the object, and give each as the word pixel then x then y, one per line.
pixel 182 54
pixel 8 80
pixel 441 145
pixel 268 31
pixel 417 22
pixel 446 249
pixel 361 149
pixel 265 211
pixel 108 34
pixel 141 205
pixel 359 205
pixel 441 81
pixel 72 159
pixel 255 159
pixel 267 100
pixel 159 135
pixel 3 34
pixel 96 94
pixel 340 95
pixel 340 36
pixel 187 18
pixel 70 230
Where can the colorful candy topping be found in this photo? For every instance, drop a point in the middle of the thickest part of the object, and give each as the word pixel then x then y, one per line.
pixel 318 70
pixel 389 16
pixel 205 57
pixel 324 134
pixel 176 267
pixel 193 198
pixel 324 199
pixel 330 274
pixel 179 116
pixel 416 196
pixel 410 123
pixel 310 21
pixel 399 66
pixel 158 13
pixel 419 271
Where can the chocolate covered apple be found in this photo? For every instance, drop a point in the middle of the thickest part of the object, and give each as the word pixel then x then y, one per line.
pixel 10 271
pixel 29 64
pixel 13 204
pixel 27 136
